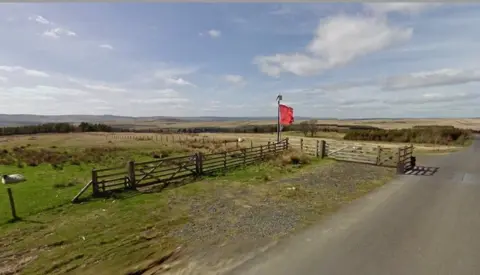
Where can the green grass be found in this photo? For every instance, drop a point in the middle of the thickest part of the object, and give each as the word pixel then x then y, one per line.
pixel 270 171
pixel 41 190
pixel 126 232
pixel 115 232
pixel 56 174
pixel 105 236
pixel 49 186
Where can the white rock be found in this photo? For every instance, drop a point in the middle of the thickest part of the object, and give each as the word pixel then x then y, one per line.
pixel 14 178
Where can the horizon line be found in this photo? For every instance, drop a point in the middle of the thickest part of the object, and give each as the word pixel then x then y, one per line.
pixel 244 117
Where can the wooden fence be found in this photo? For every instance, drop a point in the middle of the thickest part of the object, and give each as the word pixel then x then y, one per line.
pixel 159 137
pixel 396 157
pixel 174 170
pixel 170 170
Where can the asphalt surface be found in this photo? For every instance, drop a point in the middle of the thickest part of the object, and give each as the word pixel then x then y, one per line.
pixel 417 224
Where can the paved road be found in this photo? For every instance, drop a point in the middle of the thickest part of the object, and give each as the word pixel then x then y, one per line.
pixel 414 225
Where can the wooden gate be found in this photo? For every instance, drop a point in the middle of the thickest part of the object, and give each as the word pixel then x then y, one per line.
pixel 164 171
pixel 361 153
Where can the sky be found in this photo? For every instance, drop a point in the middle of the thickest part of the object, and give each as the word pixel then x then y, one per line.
pixel 332 60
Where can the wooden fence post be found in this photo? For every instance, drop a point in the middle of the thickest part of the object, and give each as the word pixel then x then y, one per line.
pixel 95 183
pixel 251 143
pixel 323 149
pixel 12 204
pixel 261 152
pixel 199 163
pixel 317 148
pixel 268 146
pixel 379 155
pixel 400 164
pixel 131 174
pixel 286 143
pixel 224 162
pixel 301 144
pixel 244 157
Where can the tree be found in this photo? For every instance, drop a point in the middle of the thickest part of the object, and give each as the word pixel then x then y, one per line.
pixel 304 127
pixel 312 127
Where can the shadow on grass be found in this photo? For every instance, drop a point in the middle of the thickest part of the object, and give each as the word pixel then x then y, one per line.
pixel 51 208
pixel 125 194
pixel 422 171
pixel 18 219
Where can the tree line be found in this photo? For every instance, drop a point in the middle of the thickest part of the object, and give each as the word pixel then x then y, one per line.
pixel 61 127
pixel 310 127
pixel 442 135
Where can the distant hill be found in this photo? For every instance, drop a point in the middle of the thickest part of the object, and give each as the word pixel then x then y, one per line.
pixel 28 119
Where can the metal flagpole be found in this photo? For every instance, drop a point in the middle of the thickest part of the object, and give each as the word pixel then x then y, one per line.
pixel 279 97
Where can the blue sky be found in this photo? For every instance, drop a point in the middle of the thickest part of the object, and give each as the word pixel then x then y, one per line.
pixel 347 60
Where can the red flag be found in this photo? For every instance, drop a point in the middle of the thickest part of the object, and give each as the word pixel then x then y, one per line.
pixel 286 115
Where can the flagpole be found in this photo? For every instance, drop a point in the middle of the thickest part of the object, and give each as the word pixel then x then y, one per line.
pixel 279 97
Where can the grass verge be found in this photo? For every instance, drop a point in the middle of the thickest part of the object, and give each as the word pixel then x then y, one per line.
pixel 128 233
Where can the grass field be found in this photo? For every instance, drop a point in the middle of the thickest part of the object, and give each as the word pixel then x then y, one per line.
pixel 55 236
pixel 333 137
pixel 129 231
pixel 58 165
pixel 465 123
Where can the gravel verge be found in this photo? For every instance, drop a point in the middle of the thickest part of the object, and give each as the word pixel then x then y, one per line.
pixel 242 218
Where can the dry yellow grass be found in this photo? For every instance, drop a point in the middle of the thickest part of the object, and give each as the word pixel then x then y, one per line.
pixel 466 123
pixel 264 138
pixel 153 141
pixel 463 123
pixel 121 140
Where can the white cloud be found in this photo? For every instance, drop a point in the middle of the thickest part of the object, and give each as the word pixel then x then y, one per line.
pixel 422 79
pixel 97 100
pixel 104 88
pixel 48 91
pixel 434 98
pixel 162 100
pixel 384 8
pixel 338 41
pixel 29 72
pixel 235 79
pixel 57 32
pixel 214 33
pixel 168 93
pixel 51 90
pixel 36 73
pixel 178 81
pixel 3 79
pixel 39 19
pixel 172 76
pixel 106 46
pixel 282 10
pixel 441 77
pixel 173 72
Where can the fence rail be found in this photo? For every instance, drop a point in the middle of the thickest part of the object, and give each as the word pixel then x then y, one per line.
pixel 174 169
pixel 170 170
pixel 400 157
